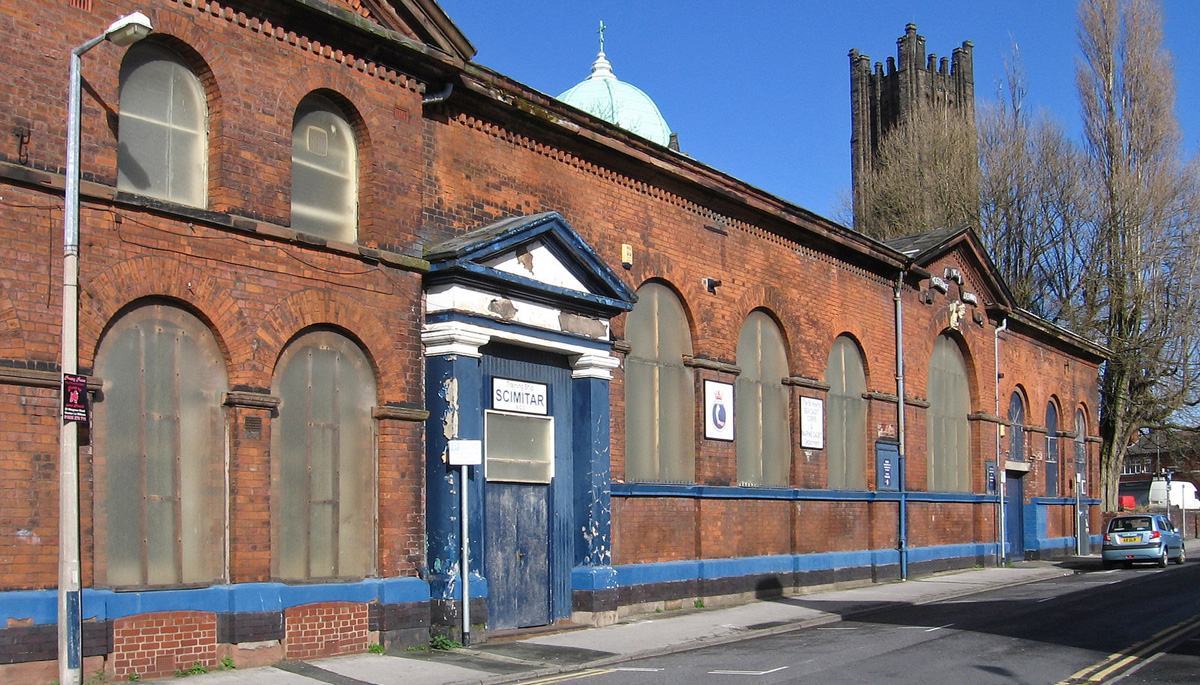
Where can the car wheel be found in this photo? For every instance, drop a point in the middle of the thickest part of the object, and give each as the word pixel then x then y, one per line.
pixel 1162 559
pixel 1182 554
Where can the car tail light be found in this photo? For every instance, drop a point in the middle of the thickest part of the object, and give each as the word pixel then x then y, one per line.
pixel 1154 535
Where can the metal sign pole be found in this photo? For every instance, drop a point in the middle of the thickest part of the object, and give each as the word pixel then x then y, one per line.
pixel 464 454
pixel 464 565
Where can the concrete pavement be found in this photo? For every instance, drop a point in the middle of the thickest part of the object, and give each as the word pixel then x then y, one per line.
pixel 507 661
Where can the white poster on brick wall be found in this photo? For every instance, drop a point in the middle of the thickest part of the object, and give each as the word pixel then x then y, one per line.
pixel 718 411
pixel 812 423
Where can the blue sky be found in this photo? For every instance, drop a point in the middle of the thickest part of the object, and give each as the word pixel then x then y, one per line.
pixel 760 89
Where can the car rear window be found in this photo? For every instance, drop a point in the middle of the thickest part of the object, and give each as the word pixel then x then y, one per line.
pixel 1129 523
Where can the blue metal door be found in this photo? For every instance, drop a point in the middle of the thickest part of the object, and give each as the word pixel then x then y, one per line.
pixel 1014 515
pixel 526 561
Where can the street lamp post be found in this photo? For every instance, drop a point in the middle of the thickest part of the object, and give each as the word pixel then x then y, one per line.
pixel 124 31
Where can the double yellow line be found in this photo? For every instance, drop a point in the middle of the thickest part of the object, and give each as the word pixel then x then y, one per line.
pixel 1127 658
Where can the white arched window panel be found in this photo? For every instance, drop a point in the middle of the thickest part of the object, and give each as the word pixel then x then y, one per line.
pixel 1016 429
pixel 1051 450
pixel 323 460
pixel 659 390
pixel 160 451
pixel 846 416
pixel 1081 448
pixel 162 129
pixel 324 171
pixel 761 409
pixel 948 434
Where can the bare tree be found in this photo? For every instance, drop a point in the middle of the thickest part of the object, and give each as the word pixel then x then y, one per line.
pixel 924 176
pixel 1032 201
pixel 1102 237
pixel 1139 293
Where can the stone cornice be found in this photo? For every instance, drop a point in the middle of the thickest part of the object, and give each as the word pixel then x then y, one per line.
pixel 389 412
pixel 251 400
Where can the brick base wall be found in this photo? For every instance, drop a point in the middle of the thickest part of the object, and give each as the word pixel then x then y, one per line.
pixel 316 631
pixel 158 644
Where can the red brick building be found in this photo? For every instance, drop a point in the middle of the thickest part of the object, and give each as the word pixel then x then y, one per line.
pixel 323 255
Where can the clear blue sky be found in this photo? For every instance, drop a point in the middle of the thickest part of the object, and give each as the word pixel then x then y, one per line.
pixel 760 89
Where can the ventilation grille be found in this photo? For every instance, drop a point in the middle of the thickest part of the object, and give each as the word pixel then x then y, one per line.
pixel 253 426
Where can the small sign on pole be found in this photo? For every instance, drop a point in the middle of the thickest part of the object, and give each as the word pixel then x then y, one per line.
pixel 465 452
pixel 74 398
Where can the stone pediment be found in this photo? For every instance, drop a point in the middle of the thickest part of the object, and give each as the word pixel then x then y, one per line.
pixel 527 269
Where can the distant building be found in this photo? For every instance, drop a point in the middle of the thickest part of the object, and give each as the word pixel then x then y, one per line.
pixel 1147 462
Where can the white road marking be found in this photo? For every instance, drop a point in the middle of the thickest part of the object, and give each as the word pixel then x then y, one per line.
pixel 773 670
pixel 930 630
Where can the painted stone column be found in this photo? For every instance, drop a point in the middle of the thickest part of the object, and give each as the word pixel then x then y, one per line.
pixel 454 397
pixel 593 580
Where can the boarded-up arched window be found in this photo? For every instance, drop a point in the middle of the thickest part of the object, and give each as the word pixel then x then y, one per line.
pixel 948 434
pixel 323 460
pixel 846 416
pixel 761 409
pixel 160 451
pixel 659 390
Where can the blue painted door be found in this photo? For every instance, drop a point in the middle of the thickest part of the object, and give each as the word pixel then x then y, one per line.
pixel 518 569
pixel 526 561
pixel 1014 516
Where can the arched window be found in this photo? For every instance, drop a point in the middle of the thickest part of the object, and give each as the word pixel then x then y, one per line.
pixel 761 413
pixel 160 451
pixel 323 460
pixel 324 171
pixel 1051 450
pixel 948 433
pixel 162 129
pixel 1081 450
pixel 1016 428
pixel 659 390
pixel 846 416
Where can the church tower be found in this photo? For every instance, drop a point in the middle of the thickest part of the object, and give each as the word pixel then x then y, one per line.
pixel 882 99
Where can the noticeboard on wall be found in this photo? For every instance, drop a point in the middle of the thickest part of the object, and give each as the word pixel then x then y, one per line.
pixel 812 423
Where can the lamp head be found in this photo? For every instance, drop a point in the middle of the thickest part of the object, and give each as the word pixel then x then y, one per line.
pixel 129 29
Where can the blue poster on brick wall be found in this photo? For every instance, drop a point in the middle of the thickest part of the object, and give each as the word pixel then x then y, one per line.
pixel 887 466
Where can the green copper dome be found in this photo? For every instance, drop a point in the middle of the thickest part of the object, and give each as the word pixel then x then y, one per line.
pixel 617 102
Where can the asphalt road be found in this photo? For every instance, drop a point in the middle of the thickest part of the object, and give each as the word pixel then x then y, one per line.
pixel 1138 625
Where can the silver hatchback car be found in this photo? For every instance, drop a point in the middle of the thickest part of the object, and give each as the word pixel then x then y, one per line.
pixel 1142 537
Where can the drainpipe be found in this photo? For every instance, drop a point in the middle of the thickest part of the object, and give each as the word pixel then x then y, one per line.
pixel 902 475
pixel 440 96
pixel 1001 474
